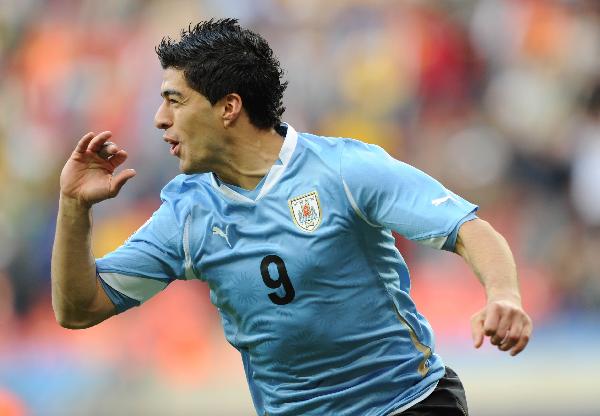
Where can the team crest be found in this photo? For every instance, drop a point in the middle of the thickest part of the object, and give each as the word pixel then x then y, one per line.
pixel 306 211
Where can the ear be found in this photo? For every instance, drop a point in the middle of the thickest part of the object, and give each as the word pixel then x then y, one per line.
pixel 232 108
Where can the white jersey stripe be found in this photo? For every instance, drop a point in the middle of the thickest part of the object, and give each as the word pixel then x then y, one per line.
pixel 188 266
pixel 355 206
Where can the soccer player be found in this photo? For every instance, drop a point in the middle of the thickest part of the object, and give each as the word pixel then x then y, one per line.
pixel 292 232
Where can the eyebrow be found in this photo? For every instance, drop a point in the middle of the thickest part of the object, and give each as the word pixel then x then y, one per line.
pixel 167 93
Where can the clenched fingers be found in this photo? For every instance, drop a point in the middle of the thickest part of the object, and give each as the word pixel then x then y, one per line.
pixel 477 329
pixel 105 149
pixel 119 180
pixel 108 150
pixel 523 338
pixel 505 322
pixel 84 142
pixel 512 336
pixel 96 144
pixel 118 157
pixel 499 331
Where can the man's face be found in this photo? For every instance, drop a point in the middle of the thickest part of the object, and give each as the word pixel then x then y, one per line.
pixel 192 125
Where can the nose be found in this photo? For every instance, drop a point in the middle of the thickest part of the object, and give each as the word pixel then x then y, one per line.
pixel 163 118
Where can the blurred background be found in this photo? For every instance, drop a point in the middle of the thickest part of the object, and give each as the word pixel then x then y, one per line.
pixel 498 99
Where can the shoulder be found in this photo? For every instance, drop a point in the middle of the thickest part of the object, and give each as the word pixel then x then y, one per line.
pixel 320 146
pixel 181 186
pixel 334 149
pixel 365 151
pixel 179 194
pixel 367 161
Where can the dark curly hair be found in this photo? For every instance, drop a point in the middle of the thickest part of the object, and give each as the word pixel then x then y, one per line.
pixel 219 57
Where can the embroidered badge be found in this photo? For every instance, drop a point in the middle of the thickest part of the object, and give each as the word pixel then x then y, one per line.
pixel 306 211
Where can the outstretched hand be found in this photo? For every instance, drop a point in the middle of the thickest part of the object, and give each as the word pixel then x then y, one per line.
pixel 505 322
pixel 88 176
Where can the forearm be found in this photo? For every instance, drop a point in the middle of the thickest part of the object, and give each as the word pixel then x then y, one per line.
pixel 503 318
pixel 487 253
pixel 75 290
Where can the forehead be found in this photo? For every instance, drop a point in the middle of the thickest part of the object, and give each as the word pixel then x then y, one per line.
pixel 173 79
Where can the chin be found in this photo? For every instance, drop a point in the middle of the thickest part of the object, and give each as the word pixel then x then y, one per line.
pixel 184 168
pixel 190 170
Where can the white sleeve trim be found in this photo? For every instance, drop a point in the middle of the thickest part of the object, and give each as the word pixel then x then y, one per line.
pixel 355 206
pixel 433 242
pixel 138 288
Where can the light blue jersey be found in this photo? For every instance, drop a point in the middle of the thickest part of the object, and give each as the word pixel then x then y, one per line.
pixel 305 274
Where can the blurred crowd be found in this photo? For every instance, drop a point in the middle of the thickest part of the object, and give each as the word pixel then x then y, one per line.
pixel 498 99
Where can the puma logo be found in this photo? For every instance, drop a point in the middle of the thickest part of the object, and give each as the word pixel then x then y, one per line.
pixel 220 233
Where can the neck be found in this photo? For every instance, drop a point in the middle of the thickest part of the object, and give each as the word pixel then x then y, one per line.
pixel 249 156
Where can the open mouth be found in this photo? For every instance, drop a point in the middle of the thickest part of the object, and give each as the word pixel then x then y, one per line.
pixel 174 145
pixel 174 149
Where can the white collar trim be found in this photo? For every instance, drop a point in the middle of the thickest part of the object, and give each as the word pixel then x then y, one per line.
pixel 274 174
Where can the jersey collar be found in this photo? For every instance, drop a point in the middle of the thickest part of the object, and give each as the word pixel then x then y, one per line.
pixel 274 174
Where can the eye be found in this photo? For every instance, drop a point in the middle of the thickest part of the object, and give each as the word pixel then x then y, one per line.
pixel 173 101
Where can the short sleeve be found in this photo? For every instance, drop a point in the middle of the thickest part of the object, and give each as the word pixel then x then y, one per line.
pixel 147 262
pixel 386 192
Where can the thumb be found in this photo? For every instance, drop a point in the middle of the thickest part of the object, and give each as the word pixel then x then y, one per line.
pixel 477 332
pixel 119 180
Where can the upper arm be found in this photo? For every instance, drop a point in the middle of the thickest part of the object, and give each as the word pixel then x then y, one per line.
pixel 148 261
pixel 392 194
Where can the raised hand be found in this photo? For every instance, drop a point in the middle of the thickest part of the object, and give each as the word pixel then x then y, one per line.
pixel 505 322
pixel 88 176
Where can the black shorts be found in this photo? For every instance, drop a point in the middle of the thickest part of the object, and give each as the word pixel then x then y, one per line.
pixel 448 399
